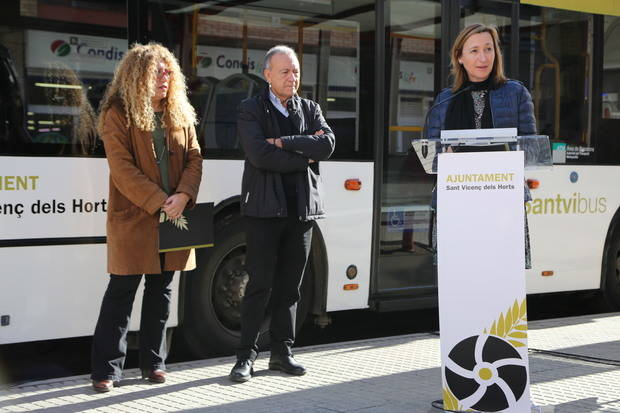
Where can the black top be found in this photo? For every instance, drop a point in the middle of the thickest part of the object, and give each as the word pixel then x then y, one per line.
pixel 471 110
pixel 161 152
pixel 289 180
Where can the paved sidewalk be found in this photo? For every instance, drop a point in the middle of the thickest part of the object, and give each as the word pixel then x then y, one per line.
pixel 386 375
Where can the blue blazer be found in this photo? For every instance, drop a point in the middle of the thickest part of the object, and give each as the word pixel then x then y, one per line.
pixel 511 107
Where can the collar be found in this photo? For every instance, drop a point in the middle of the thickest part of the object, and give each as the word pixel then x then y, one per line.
pixel 278 105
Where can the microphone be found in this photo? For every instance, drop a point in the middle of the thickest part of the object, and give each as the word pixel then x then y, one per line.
pixel 441 102
pixel 430 110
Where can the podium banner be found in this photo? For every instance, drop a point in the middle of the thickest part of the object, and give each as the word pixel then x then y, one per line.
pixel 481 282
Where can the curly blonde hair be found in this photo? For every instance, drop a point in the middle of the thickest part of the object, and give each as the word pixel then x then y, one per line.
pixel 132 86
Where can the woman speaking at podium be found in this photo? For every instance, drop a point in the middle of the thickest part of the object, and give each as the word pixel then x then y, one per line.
pixel 482 96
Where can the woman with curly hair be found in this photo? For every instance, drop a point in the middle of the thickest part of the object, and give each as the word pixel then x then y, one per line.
pixel 147 127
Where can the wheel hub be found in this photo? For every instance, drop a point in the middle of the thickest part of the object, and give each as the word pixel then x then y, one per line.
pixel 230 281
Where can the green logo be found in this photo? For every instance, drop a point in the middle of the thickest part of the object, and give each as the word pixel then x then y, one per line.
pixel 205 61
pixel 60 48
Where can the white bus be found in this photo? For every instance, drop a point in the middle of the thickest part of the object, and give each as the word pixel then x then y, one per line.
pixel 375 67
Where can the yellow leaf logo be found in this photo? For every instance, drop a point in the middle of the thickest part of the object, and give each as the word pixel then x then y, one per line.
pixel 450 402
pixel 513 325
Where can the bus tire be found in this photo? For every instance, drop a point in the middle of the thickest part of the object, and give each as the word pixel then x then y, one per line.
pixel 211 324
pixel 611 275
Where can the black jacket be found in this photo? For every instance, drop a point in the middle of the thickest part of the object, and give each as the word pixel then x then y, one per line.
pixel 262 192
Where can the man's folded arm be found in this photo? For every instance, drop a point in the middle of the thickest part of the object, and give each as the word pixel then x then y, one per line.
pixel 316 147
pixel 262 154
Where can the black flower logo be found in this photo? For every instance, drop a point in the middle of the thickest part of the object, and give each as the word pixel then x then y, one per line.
pixel 485 373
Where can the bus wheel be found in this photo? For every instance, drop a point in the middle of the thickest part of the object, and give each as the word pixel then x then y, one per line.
pixel 611 286
pixel 214 292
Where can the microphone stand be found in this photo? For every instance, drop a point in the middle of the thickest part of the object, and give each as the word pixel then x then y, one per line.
pixel 441 102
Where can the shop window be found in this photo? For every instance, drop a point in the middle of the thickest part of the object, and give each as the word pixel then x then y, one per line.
pixel 110 13
pixel 221 49
pixel 52 80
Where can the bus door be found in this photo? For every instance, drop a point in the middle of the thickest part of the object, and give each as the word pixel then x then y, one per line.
pixel 405 260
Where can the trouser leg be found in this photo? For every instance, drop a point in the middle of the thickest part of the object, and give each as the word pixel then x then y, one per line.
pixel 155 312
pixel 292 258
pixel 110 340
pixel 262 239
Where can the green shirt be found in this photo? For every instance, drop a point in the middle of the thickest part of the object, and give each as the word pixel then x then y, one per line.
pixel 161 154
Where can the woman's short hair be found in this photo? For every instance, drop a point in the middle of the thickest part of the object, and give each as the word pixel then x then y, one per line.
pixel 458 71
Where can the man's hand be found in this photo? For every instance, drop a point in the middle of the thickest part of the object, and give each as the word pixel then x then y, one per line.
pixel 175 204
pixel 275 141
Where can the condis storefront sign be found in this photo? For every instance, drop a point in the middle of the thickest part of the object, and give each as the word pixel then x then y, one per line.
pixel 77 52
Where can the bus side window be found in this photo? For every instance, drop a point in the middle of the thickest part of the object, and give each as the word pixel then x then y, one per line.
pixel 611 68
pixel 608 142
pixel 555 66
pixel 12 111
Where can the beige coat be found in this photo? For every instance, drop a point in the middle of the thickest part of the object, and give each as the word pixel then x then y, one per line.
pixel 136 196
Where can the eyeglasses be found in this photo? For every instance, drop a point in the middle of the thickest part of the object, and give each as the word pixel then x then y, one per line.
pixel 162 73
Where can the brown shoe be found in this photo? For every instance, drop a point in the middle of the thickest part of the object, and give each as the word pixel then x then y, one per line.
pixel 102 386
pixel 154 376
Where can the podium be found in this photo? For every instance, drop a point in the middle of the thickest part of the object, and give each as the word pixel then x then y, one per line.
pixel 481 264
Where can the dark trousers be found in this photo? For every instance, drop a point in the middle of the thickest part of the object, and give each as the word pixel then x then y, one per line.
pixel 277 252
pixel 110 339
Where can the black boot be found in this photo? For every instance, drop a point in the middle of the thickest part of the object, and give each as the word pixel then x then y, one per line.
pixel 242 371
pixel 287 364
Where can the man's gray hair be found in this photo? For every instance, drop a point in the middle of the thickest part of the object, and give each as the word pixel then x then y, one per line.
pixel 279 49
